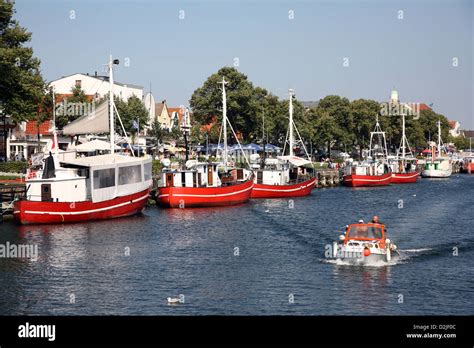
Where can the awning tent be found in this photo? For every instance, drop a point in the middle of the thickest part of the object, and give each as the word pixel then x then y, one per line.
pixel 94 145
pixel 95 122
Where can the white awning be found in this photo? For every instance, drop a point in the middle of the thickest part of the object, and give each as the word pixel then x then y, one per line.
pixel 94 123
pixel 296 161
pixel 108 160
pixel 94 145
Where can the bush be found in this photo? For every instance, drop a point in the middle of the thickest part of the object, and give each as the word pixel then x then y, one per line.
pixel 13 167
pixel 156 167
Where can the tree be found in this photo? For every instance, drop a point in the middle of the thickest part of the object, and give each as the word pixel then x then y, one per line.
pixel 21 84
pixel 78 96
pixel 131 110
pixel 206 101
pixel 364 113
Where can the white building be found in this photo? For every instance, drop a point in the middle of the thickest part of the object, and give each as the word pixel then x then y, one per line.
pixel 96 86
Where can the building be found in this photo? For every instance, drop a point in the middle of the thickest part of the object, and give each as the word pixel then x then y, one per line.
pixel 96 86
pixel 454 128
pixel 22 139
pixel 162 115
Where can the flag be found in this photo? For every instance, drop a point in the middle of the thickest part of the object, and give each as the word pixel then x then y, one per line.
pixel 135 124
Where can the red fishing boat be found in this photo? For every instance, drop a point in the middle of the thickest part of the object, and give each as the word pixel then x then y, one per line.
pixel 374 171
pixel 405 178
pixel 202 186
pixel 206 184
pixel 404 165
pixel 285 176
pixel 357 180
pixel 86 188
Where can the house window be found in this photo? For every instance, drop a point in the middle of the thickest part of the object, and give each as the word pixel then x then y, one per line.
pixel 78 83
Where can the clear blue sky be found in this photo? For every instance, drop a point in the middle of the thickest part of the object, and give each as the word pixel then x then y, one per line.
pixel 414 54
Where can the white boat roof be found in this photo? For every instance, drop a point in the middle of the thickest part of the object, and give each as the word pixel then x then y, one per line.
pixel 94 145
pixel 104 160
pixel 296 161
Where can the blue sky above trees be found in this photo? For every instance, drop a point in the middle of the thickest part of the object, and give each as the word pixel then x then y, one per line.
pixel 414 54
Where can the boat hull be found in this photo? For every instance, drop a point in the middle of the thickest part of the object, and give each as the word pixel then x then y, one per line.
pixel 300 189
pixel 189 197
pixel 436 173
pixel 355 180
pixel 404 178
pixel 33 212
pixel 469 168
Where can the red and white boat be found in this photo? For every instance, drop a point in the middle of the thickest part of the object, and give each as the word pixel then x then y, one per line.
pixel 468 161
pixel 468 164
pixel 203 186
pixel 374 171
pixel 285 176
pixel 404 165
pixel 206 184
pixel 87 188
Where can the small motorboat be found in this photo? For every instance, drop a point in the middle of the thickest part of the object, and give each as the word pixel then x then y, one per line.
pixel 363 243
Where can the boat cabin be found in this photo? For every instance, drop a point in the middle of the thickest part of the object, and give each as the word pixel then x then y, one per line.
pixel 376 168
pixel 96 178
pixel 365 232
pixel 202 175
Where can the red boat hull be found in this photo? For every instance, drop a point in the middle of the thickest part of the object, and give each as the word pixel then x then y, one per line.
pixel 355 180
pixel 469 168
pixel 31 212
pixel 300 189
pixel 188 197
pixel 404 178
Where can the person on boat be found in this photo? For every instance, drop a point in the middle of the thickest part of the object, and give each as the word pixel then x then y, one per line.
pixel 375 220
pixel 362 231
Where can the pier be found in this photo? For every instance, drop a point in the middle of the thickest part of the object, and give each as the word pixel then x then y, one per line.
pixel 327 178
pixel 8 194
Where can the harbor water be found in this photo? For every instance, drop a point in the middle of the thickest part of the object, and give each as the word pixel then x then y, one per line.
pixel 266 257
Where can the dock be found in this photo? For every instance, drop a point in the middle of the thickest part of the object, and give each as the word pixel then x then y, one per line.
pixel 8 194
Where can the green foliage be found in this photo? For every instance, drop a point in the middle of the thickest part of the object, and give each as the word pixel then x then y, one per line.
pixel 21 84
pixel 132 109
pixel 156 167
pixel 13 167
pixel 335 122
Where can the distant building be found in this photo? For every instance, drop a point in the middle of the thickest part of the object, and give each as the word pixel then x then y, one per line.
pixel 162 115
pixel 96 86
pixel 454 128
pixel 22 140
pixel 468 134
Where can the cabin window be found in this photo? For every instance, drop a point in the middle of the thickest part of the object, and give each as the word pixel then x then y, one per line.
pixel 147 171
pixel 130 175
pixel 183 179
pixel 104 178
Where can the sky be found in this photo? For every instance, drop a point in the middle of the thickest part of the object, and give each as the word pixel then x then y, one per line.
pixel 356 49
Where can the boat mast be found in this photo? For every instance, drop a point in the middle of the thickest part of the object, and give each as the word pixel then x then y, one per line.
pixel 111 106
pixel 290 125
pixel 403 136
pixel 224 121
pixel 439 138
pixel 55 133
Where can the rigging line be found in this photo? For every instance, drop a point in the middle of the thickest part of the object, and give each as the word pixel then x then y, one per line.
pixel 124 131
pixel 302 143
pixel 286 140
pixel 242 150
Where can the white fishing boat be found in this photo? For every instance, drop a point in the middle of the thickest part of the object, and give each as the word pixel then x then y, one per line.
pixel 86 188
pixel 439 166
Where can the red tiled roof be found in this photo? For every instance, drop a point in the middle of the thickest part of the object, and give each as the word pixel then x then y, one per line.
pixel 32 128
pixel 424 107
pixel 452 124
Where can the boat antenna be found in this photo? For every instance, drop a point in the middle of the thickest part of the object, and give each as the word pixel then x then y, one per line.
pixel 224 121
pixel 290 125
